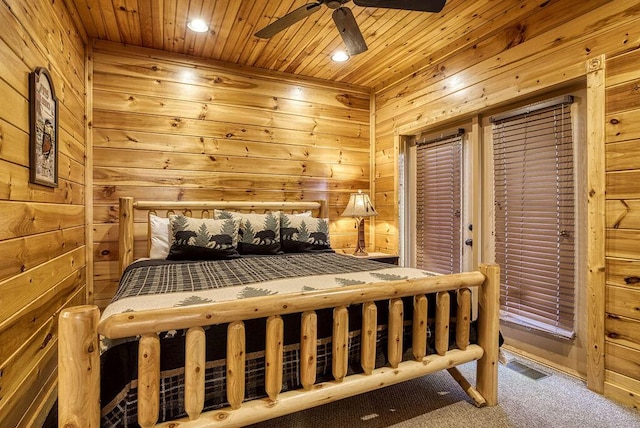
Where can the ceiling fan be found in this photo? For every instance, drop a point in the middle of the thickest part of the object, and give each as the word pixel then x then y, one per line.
pixel 344 19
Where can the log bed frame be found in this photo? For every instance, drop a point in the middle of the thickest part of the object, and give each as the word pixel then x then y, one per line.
pixel 79 329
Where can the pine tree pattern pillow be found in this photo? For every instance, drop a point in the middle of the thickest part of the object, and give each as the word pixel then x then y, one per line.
pixel 304 234
pixel 258 234
pixel 202 239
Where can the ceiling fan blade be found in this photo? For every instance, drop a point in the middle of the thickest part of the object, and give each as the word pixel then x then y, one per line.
pixel 349 30
pixel 287 20
pixel 417 5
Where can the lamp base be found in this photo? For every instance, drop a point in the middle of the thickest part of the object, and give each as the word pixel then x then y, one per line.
pixel 361 245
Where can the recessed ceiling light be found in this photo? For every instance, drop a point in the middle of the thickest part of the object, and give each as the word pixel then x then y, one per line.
pixel 198 25
pixel 340 56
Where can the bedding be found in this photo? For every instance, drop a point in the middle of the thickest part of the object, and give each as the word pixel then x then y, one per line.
pixel 154 284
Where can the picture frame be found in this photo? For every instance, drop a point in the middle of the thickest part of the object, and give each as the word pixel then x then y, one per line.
pixel 43 138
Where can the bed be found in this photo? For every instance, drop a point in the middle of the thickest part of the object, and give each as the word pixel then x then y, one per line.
pixel 236 339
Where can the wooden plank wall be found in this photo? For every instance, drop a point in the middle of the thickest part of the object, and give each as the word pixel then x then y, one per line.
pixel 42 236
pixel 171 127
pixel 622 324
pixel 543 52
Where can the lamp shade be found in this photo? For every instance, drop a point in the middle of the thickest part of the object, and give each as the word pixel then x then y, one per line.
pixel 359 206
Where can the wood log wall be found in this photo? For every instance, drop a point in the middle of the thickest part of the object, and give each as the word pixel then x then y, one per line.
pixel 622 150
pixel 170 127
pixel 42 236
pixel 544 52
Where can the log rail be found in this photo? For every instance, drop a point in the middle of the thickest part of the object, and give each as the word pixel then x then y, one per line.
pixel 79 359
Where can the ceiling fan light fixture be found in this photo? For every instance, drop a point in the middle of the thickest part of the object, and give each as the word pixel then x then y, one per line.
pixel 198 25
pixel 340 56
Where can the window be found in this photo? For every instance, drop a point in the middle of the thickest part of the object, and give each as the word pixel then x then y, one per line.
pixel 439 204
pixel 534 215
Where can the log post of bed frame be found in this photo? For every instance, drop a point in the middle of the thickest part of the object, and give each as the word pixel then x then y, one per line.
pixel 125 229
pixel 488 334
pixel 79 368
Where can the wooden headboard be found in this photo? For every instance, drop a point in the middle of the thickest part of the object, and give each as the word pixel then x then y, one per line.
pixel 202 209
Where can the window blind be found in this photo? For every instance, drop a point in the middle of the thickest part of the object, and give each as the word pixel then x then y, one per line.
pixel 439 204
pixel 534 216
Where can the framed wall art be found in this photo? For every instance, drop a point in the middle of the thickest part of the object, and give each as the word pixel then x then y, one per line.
pixel 43 144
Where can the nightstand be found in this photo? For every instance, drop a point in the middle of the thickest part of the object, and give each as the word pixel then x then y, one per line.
pixel 378 257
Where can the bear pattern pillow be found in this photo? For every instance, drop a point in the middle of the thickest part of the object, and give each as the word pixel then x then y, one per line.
pixel 304 234
pixel 203 239
pixel 258 234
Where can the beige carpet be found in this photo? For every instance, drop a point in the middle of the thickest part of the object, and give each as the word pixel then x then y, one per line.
pixel 436 400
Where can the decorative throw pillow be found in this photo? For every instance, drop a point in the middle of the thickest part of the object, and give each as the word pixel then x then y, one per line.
pixel 304 234
pixel 203 239
pixel 159 237
pixel 259 233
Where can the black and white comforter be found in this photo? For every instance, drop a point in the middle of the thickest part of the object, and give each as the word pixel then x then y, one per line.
pixel 154 284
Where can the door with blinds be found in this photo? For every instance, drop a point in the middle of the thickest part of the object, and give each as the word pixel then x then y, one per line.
pixel 535 224
pixel 439 204
pixel 534 215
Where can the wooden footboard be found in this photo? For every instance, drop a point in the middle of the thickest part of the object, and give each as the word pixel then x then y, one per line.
pixel 79 375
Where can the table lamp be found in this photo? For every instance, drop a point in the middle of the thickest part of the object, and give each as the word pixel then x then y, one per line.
pixel 359 207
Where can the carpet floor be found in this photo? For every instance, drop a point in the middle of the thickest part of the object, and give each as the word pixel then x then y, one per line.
pixel 554 400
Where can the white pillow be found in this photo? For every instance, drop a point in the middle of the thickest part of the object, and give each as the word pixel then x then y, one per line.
pixel 304 214
pixel 159 237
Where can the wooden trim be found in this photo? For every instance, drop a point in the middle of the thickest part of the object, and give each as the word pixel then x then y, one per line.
pixel 88 176
pixel 396 191
pixel 372 168
pixel 596 262
pixel 475 145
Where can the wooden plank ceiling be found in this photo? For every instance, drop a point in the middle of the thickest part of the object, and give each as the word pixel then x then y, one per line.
pixel 400 42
